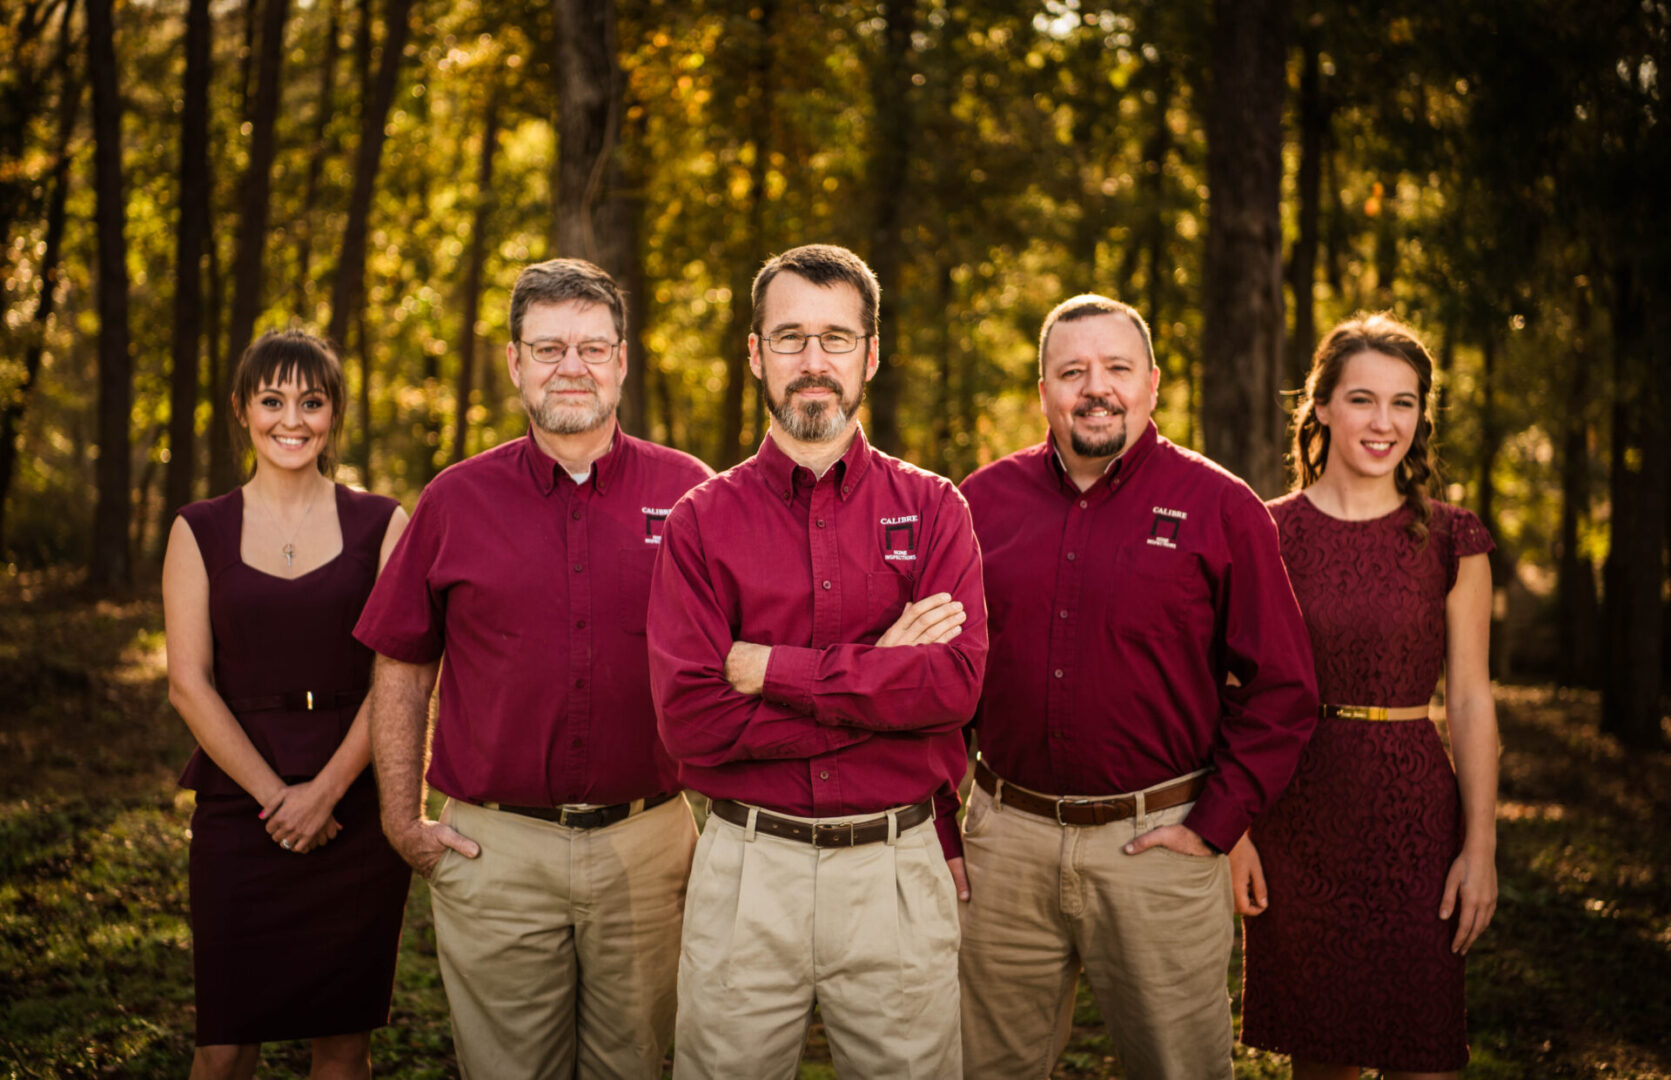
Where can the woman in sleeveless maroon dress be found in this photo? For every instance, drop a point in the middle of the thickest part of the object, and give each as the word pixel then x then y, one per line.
pixel 1362 888
pixel 296 899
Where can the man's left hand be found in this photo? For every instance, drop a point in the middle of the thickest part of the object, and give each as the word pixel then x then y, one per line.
pixel 1180 838
pixel 745 667
pixel 960 877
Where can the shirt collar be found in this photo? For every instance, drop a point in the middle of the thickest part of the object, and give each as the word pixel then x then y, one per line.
pixel 778 468
pixel 1120 466
pixel 548 473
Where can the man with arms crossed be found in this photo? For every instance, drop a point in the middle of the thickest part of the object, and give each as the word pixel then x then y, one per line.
pixel 817 637
pixel 1149 690
pixel 558 867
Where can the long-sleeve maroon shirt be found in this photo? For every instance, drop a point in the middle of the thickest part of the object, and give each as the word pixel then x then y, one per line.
pixel 817 569
pixel 1116 615
pixel 535 588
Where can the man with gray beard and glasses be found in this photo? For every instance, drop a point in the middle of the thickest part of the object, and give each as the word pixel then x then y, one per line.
pixel 557 868
pixel 817 637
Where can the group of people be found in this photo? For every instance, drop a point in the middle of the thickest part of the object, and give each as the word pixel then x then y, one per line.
pixel 1134 644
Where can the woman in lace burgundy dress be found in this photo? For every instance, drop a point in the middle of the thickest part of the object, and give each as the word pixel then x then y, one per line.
pixel 1362 888
pixel 296 899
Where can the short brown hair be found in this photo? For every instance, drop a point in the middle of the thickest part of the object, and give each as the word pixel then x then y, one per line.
pixel 557 281
pixel 824 265
pixel 276 358
pixel 1085 306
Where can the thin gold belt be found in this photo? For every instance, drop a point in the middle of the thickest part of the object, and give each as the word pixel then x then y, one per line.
pixel 1372 712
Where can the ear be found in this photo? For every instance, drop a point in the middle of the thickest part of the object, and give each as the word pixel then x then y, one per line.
pixel 238 411
pixel 754 357
pixel 873 358
pixel 510 362
pixel 1154 385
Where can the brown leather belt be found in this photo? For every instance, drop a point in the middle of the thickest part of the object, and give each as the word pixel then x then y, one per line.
pixel 1371 712
pixel 595 818
pixel 823 834
pixel 299 701
pixel 1069 810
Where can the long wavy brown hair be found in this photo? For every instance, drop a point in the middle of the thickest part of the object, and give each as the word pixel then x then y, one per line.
pixel 1382 332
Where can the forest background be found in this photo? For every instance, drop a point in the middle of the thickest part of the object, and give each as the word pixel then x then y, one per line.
pixel 177 176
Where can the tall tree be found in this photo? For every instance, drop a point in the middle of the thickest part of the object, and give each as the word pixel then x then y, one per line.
pixel 111 565
pixel 50 270
pixel 473 263
pixel 348 291
pixel 890 156
pixel 1242 329
pixel 1302 261
pixel 590 85
pixel 324 147
pixel 191 234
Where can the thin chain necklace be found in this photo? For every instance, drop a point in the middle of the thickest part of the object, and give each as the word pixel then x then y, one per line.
pixel 289 548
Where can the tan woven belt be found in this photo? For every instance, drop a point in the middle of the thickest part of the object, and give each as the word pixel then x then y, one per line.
pixel 1372 712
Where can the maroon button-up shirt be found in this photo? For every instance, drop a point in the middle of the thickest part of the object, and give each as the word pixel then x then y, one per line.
pixel 1116 615
pixel 818 568
pixel 535 588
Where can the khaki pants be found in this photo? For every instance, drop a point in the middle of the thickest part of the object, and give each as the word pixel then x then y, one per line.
pixel 1152 931
pixel 772 926
pixel 559 946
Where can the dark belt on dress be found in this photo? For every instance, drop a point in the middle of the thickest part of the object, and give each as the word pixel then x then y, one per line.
pixel 299 701
pixel 823 834
pixel 1099 810
pixel 595 818
pixel 1372 712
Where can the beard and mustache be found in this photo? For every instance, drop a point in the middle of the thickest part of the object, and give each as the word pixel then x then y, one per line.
pixel 813 421
pixel 1104 446
pixel 556 416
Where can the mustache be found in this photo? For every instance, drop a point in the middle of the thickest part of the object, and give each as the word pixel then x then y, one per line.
pixel 813 382
pixel 571 382
pixel 1085 407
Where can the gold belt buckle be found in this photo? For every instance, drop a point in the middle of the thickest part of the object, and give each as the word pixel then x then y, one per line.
pixel 310 700
pixel 1361 712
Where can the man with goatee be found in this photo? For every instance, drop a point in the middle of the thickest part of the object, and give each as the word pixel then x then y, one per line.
pixel 817 638
pixel 557 868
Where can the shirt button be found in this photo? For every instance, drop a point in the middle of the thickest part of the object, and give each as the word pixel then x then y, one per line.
pixel 578 567
pixel 579 683
pixel 823 776
pixel 1062 614
pixel 845 489
pixel 577 742
pixel 820 523
pixel 576 514
pixel 1083 503
pixel 826 585
pixel 580 624
pixel 1058 673
pixel 1070 559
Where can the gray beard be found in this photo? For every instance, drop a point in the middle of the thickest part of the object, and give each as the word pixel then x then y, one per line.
pixel 554 418
pixel 816 421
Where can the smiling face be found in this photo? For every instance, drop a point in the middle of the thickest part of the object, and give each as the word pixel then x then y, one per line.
pixel 813 395
pixel 569 397
pixel 1372 415
pixel 289 424
pixel 1098 387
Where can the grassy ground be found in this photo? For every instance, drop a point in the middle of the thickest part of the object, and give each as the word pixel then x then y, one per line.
pixel 1573 979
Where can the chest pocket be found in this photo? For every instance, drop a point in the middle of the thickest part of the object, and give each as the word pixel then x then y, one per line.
pixel 886 594
pixel 1161 593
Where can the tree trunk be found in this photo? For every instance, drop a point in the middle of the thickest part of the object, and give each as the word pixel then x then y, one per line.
pixel 191 234
pixel 1386 239
pixel 324 147
pixel 1641 479
pixel 750 245
pixel 1576 581
pixel 588 125
pixel 348 291
pixel 1242 330
pixel 891 97
pixel 1302 264
pixel 628 218
pixel 472 299
pixel 1159 149
pixel 49 271
pixel 111 566
pixel 1491 444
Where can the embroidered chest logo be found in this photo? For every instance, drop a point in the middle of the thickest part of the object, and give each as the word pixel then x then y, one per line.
pixel 1163 532
pixel 654 520
pixel 899 538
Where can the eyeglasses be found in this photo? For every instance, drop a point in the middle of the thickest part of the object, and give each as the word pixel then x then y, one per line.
pixel 832 341
pixel 591 353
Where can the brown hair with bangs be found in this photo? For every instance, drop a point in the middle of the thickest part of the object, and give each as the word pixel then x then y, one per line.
pixel 1384 333
pixel 278 357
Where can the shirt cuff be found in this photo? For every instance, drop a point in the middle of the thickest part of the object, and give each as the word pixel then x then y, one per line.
pixel 951 837
pixel 1217 820
pixel 789 672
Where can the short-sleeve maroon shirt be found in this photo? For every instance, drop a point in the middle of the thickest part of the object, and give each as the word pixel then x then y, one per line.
pixel 534 588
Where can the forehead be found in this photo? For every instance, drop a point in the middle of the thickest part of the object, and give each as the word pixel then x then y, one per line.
pixel 1097 337
pixel 792 300
pixel 1371 370
pixel 569 319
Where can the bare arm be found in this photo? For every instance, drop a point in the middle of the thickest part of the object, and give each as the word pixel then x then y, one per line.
pixel 303 812
pixel 191 674
pixel 399 741
pixel 1471 886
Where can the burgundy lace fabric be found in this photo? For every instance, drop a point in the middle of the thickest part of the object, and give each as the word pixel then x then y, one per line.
pixel 1350 963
